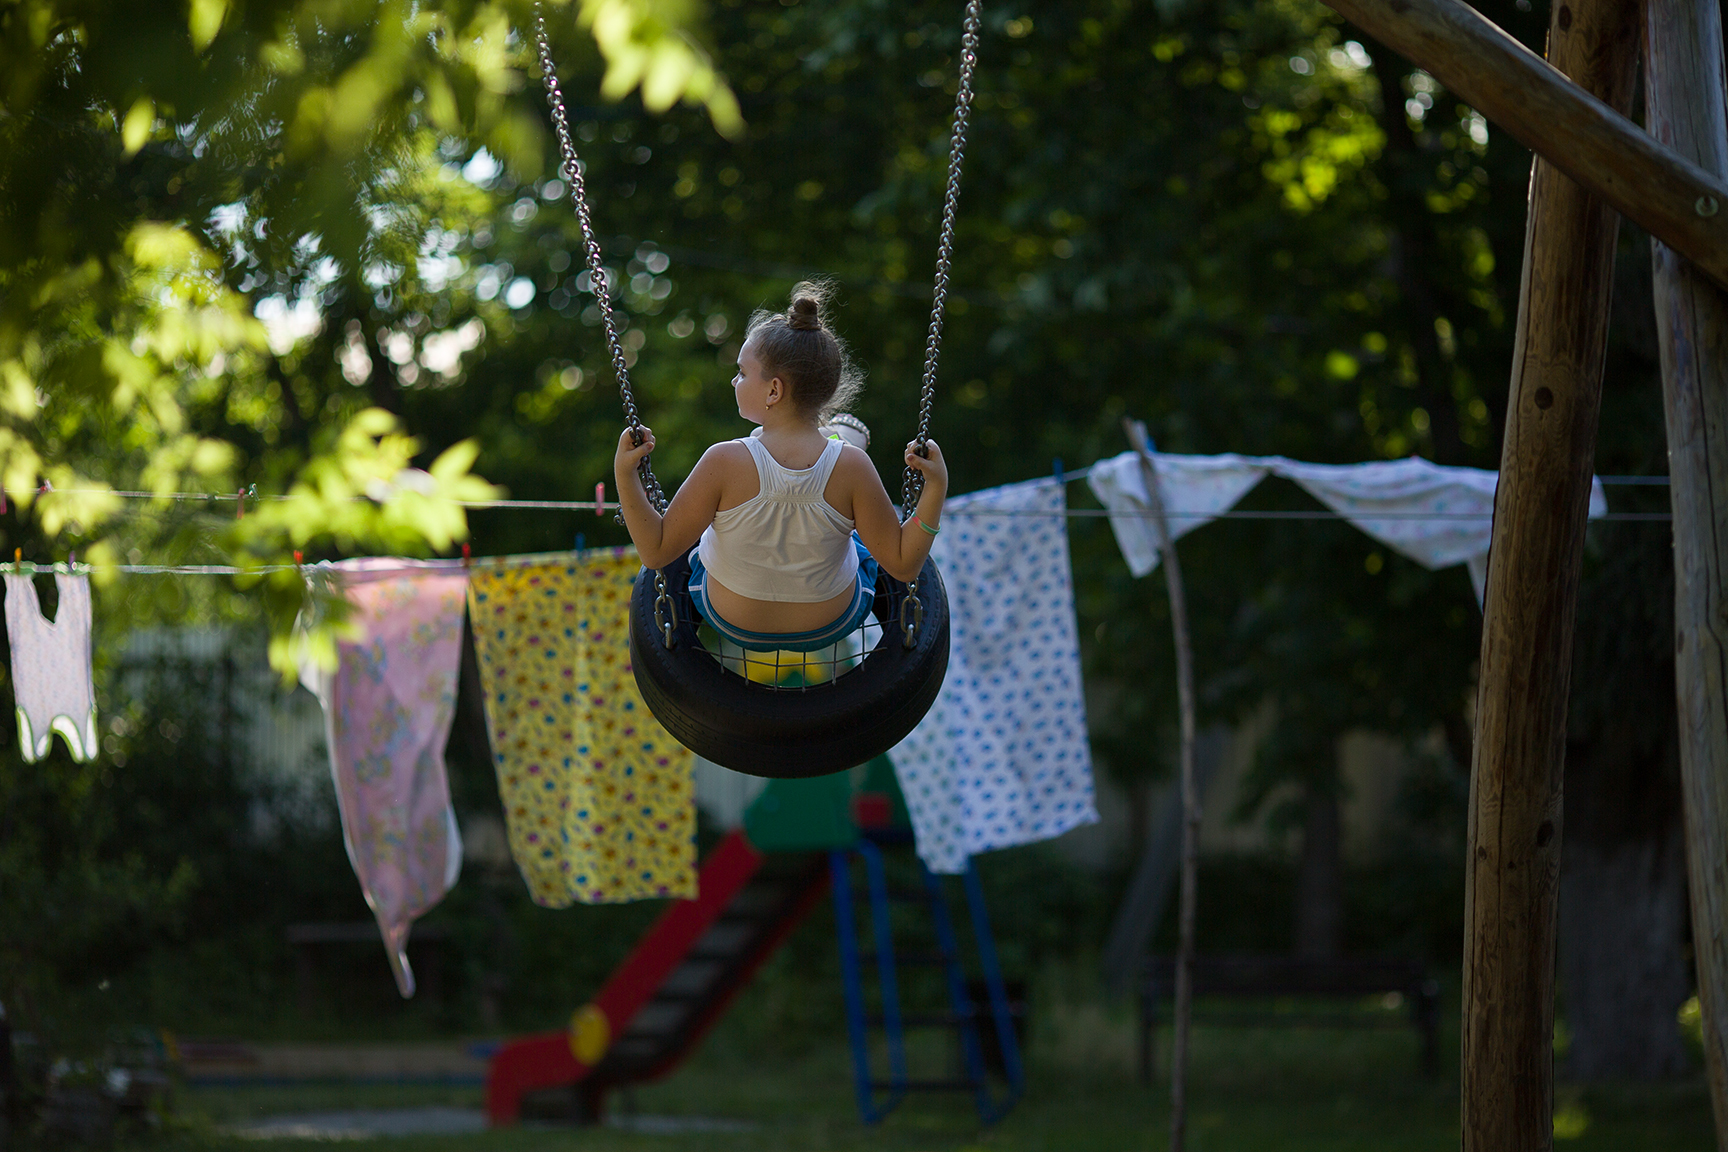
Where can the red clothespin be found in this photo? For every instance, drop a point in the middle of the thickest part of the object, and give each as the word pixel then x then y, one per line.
pixel 298 559
pixel 600 498
pixel 467 556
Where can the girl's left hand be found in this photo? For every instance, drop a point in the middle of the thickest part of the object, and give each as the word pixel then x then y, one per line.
pixel 630 452
pixel 933 466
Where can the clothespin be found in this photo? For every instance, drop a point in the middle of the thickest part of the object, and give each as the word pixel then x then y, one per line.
pixel 1056 465
pixel 47 486
pixel 298 558
pixel 467 555
pixel 581 541
pixel 600 498
pixel 240 504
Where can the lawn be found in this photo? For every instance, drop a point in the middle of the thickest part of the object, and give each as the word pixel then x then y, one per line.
pixel 1254 1090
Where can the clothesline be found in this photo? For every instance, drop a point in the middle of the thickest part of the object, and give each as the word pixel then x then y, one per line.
pixel 1310 514
pixel 515 560
pixel 597 507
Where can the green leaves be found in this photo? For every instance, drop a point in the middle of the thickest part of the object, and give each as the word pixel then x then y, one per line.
pixel 205 20
pixel 648 44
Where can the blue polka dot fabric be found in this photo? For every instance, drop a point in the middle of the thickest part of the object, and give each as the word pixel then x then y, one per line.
pixel 1002 758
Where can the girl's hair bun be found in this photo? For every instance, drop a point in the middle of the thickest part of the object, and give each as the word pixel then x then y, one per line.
pixel 798 346
pixel 805 315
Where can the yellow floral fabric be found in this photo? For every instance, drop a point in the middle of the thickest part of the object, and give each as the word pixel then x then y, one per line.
pixel 599 800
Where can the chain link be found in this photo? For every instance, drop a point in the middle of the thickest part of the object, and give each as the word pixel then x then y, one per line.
pixel 913 484
pixel 572 170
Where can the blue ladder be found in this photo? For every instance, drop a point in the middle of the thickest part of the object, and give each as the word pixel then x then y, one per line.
pixel 878 1097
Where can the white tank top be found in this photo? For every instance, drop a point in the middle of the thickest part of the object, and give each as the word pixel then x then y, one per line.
pixel 786 543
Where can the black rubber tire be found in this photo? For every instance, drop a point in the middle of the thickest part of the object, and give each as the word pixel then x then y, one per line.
pixel 780 733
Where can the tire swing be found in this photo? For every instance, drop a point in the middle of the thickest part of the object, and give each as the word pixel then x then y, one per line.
pixel 767 717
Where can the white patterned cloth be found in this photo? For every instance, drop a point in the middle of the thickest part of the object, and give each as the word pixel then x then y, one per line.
pixel 51 674
pixel 1001 758
pixel 1195 490
pixel 1436 515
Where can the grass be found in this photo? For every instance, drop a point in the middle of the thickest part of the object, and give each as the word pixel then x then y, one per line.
pixel 1253 1090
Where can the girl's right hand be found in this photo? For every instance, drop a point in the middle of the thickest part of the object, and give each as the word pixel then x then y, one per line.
pixel 629 452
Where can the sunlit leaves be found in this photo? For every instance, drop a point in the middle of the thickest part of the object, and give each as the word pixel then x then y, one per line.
pixel 648 44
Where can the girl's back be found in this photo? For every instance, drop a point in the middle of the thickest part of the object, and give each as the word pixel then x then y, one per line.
pixel 787 543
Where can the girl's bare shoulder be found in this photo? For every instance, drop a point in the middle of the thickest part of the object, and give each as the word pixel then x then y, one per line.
pixel 856 470
pixel 728 455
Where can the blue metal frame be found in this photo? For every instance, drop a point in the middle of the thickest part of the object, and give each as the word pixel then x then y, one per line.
pixel 870 1107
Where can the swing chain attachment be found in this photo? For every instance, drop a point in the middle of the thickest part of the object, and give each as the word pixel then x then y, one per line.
pixel 913 484
pixel 909 628
pixel 665 612
pixel 572 170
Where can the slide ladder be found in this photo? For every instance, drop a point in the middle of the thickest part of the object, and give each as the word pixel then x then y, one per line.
pixel 988 1038
pixel 671 988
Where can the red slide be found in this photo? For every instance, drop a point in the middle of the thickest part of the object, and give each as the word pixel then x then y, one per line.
pixel 672 987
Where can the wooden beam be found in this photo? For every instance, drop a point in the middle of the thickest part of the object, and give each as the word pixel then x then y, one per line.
pixel 1667 194
pixel 1513 866
pixel 1683 101
pixel 1142 444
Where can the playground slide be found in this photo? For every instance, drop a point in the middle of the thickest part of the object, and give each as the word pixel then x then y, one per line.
pixel 672 987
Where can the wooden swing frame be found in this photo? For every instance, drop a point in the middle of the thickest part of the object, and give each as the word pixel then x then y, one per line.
pixel 1593 165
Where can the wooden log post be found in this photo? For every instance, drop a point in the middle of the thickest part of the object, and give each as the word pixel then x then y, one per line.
pixel 1667 194
pixel 1142 444
pixel 1683 101
pixel 1540 509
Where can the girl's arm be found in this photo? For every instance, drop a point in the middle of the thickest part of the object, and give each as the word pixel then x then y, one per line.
pixel 661 539
pixel 900 548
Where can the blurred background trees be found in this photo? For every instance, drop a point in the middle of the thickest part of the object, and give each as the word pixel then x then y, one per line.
pixel 229 231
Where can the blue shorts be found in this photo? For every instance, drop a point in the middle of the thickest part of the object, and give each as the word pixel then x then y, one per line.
pixel 849 621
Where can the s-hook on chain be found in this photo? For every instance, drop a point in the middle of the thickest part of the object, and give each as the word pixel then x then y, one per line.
pixel 572 172
pixel 913 484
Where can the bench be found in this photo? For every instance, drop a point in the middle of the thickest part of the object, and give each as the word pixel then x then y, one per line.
pixel 1400 983
pixel 306 939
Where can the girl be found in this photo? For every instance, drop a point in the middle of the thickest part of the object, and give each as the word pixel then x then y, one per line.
pixel 793 522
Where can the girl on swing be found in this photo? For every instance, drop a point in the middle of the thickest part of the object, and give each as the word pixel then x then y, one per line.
pixel 790 523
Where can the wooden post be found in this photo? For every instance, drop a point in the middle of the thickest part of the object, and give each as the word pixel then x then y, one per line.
pixel 1513 866
pixel 1668 195
pixel 1683 100
pixel 1190 789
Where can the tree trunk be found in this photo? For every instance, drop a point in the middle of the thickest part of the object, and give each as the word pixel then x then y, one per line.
pixel 1403 166
pixel 1320 880
pixel 1512 870
pixel 1622 915
pixel 1683 100
pixel 1623 876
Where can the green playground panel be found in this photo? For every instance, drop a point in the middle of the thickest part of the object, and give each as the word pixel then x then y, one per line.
pixel 818 813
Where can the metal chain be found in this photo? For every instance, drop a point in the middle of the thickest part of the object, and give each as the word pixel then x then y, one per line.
pixel 913 484
pixel 572 172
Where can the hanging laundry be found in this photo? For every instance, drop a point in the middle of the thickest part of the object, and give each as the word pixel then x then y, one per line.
pixel 599 800
pixel 52 683
pixel 388 706
pixel 1436 515
pixel 1196 489
pixel 1002 758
